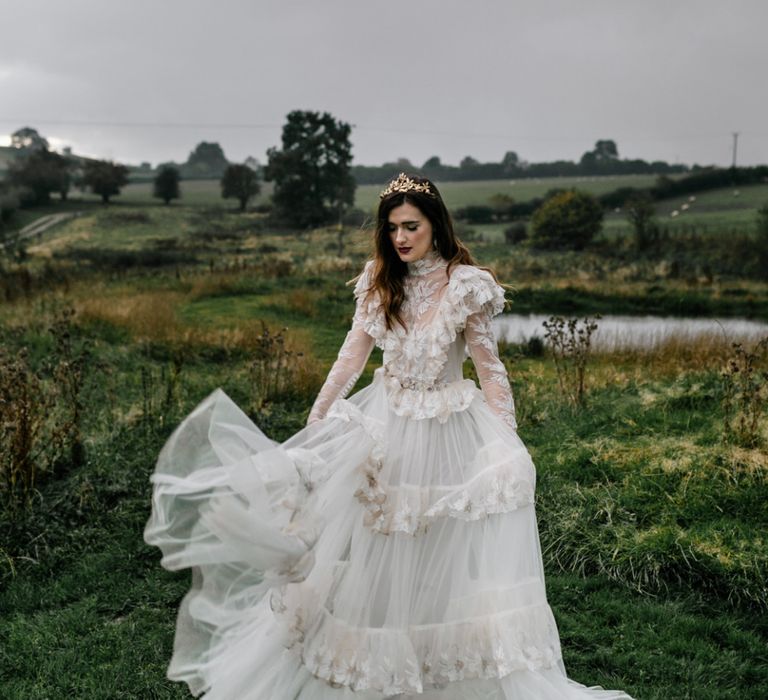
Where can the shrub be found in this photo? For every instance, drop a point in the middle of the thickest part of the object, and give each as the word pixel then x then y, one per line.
pixel 762 240
pixel 745 393
pixel 9 203
pixel 640 213
pixel 516 233
pixel 476 214
pixel 571 343
pixel 568 219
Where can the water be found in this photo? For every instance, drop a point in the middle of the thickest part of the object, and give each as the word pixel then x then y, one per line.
pixel 641 332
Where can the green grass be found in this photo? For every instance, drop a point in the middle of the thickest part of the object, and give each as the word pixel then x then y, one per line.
pixel 653 529
pixel 93 614
pixel 460 194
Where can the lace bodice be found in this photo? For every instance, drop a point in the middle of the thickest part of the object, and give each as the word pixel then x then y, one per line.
pixel 446 317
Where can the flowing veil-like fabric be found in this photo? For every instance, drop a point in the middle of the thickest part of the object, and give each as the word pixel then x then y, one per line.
pixel 388 549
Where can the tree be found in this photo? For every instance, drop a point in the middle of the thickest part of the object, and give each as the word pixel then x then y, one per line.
pixel 468 162
pixel 39 173
pixel 240 182
pixel 207 160
pixel 605 150
pixel 312 174
pixel 510 162
pixel 432 163
pixel 166 185
pixel 604 153
pixel 28 139
pixel 568 219
pixel 105 178
pixel 640 213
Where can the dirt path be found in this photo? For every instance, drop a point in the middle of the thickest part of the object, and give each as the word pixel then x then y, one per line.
pixel 37 228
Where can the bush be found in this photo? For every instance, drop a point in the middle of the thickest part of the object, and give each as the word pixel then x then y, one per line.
pixel 476 214
pixel 9 203
pixel 762 239
pixel 515 233
pixel 568 219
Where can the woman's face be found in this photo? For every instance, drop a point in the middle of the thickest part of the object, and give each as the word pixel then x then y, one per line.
pixel 410 232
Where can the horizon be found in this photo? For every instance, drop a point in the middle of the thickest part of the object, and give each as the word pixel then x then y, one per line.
pixel 58 145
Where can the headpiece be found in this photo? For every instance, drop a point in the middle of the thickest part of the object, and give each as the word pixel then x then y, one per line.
pixel 403 183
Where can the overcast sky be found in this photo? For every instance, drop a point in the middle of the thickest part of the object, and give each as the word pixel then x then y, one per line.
pixel 145 80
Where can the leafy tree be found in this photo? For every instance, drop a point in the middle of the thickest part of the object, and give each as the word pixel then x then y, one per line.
pixel 166 185
pixel 207 160
pixel 606 150
pixel 241 183
pixel 39 173
pixel 468 162
pixel 568 219
pixel 640 213
pixel 312 176
pixel 28 139
pixel 105 178
pixel 432 163
pixel 510 162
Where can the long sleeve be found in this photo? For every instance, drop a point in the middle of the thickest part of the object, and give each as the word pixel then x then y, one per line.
pixel 353 354
pixel 491 371
pixel 345 372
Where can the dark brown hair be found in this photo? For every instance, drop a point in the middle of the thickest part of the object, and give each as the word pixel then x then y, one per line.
pixel 389 270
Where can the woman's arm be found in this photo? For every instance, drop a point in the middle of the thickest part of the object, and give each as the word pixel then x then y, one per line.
pixel 345 372
pixel 491 371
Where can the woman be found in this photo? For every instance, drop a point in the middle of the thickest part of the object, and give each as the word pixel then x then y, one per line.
pixel 388 549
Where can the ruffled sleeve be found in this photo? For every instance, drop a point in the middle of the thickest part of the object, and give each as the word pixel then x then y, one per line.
pixel 471 291
pixel 368 313
pixel 476 299
pixel 353 354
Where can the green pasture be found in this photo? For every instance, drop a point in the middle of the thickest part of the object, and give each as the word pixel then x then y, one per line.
pixel 456 194
pixel 652 527
pixel 461 194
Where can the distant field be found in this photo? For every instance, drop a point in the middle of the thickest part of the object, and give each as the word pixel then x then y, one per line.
pixel 460 194
pixel 456 194
pixel 715 212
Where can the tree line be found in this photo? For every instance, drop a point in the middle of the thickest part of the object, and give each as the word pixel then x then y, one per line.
pixel 603 159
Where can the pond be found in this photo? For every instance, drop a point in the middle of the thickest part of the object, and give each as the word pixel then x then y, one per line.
pixel 637 332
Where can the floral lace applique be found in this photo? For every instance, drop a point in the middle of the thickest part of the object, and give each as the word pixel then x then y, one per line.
pixel 415 358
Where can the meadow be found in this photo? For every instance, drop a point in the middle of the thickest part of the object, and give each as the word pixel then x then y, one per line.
pixel 653 514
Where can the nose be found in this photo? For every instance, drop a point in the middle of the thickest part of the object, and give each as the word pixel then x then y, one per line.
pixel 400 236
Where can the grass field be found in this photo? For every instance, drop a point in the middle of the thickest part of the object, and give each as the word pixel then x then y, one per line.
pixel 718 211
pixel 653 526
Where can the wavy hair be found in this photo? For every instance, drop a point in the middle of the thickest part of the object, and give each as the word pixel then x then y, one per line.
pixel 389 271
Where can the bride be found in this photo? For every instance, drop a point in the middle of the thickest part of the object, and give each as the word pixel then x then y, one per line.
pixel 389 548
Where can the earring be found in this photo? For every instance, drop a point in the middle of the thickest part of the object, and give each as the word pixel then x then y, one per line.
pixel 434 244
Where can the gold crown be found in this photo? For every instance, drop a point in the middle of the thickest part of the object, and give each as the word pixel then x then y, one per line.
pixel 403 183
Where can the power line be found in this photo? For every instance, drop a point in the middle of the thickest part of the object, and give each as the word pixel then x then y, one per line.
pixel 360 127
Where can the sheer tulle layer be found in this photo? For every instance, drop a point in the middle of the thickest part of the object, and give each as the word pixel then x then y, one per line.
pixel 294 596
pixel 257 665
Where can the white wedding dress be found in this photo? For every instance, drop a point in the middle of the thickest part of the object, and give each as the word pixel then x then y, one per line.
pixel 388 549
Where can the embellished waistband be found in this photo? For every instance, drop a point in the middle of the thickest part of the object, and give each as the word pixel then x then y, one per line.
pixel 426 398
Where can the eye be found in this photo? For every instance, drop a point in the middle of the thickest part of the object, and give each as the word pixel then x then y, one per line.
pixel 413 227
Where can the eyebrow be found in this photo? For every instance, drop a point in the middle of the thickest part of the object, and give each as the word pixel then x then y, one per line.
pixel 403 223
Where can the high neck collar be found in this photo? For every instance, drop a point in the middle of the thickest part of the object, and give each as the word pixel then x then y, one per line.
pixel 431 261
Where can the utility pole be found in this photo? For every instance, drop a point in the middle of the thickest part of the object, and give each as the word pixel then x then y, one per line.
pixel 735 146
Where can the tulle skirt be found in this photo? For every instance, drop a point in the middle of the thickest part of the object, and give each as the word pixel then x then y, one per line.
pixel 371 555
